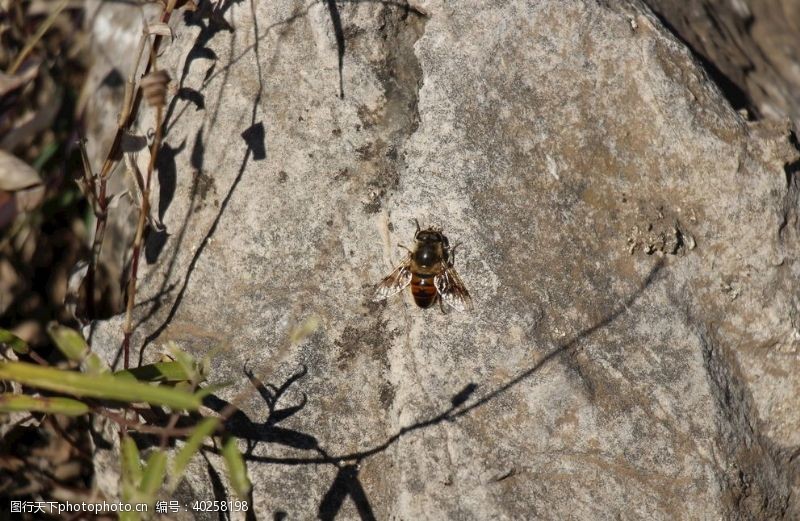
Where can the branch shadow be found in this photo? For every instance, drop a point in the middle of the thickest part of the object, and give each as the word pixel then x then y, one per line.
pixel 210 18
pixel 338 29
pixel 256 129
pixel 254 137
pixel 241 426
pixel 336 20
pixel 346 482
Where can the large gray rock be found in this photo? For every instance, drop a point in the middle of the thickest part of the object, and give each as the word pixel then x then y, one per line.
pixel 750 46
pixel 630 242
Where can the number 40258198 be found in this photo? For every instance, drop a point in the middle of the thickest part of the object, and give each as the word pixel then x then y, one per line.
pixel 220 506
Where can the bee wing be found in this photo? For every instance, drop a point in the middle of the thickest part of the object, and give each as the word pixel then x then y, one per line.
pixel 452 290
pixel 394 282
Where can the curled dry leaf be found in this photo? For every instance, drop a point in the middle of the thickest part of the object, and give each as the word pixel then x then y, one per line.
pixel 16 174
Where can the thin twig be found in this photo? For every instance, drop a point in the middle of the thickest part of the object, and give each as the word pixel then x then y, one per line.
pixel 138 426
pixel 101 207
pixel 36 358
pixel 89 185
pixel 144 211
pixel 130 108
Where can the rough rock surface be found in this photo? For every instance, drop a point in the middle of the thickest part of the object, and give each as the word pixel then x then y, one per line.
pixel 630 242
pixel 751 46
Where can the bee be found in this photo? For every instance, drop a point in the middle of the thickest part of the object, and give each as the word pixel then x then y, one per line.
pixel 428 268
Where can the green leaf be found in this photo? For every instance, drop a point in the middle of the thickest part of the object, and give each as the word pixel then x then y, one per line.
pixel 94 365
pixel 131 462
pixel 51 405
pixel 160 372
pixel 75 348
pixel 237 470
pixel 18 345
pixel 186 360
pixel 153 476
pixel 103 386
pixel 131 471
pixel 68 341
pixel 203 430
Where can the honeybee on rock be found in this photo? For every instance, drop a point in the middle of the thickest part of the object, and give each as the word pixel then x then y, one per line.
pixel 428 269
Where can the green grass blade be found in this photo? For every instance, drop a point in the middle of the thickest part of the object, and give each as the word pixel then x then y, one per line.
pixel 237 470
pixel 131 462
pixel 153 476
pixel 103 386
pixel 131 472
pixel 203 430
pixel 190 365
pixel 18 345
pixel 50 405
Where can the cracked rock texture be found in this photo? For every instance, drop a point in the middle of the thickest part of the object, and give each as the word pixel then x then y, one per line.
pixel 629 240
pixel 754 46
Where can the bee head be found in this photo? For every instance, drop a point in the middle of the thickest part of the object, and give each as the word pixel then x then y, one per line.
pixel 430 235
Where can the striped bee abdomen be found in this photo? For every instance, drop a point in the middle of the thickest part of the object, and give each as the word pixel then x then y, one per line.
pixel 423 289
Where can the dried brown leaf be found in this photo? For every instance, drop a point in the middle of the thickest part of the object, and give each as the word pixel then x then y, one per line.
pixel 16 174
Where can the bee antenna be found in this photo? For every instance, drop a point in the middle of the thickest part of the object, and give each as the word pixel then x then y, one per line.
pixel 401 246
pixel 417 223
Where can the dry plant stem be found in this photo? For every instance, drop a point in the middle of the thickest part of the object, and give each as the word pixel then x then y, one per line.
pixel 101 199
pixel 130 108
pixel 144 211
pixel 138 426
pixel 89 185
pixel 38 359
pixel 173 419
